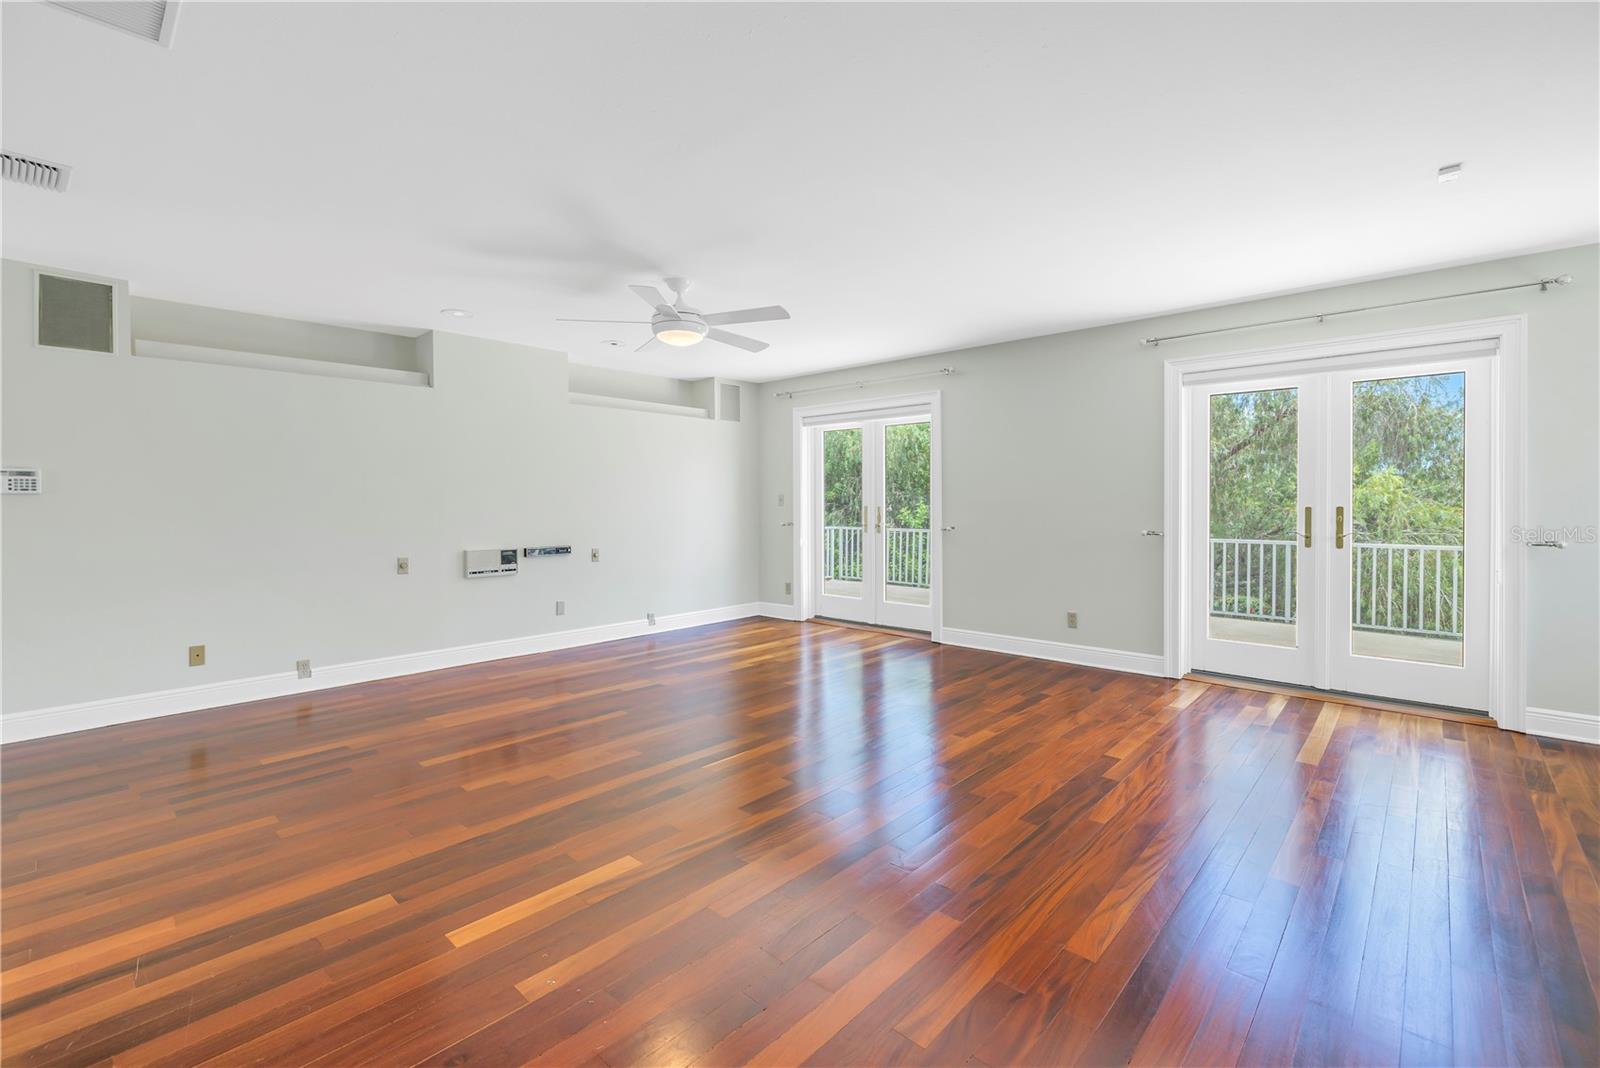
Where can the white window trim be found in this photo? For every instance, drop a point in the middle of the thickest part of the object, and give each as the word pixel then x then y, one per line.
pixel 1508 635
pixel 866 408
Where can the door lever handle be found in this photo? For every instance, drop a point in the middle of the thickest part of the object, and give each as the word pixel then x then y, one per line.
pixel 879 529
pixel 1308 527
pixel 1338 527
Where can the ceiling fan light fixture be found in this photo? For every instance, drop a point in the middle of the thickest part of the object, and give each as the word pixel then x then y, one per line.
pixel 675 323
pixel 680 333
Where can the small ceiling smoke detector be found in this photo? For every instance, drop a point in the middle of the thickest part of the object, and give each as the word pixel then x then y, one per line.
pixel 34 172
pixel 456 313
pixel 1449 172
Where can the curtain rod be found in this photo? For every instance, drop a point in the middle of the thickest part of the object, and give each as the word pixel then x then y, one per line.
pixel 1543 284
pixel 863 383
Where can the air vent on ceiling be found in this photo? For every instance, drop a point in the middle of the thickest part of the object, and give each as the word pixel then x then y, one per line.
pixel 33 172
pixel 149 19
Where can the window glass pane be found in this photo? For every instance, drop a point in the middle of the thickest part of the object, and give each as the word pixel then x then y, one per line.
pixel 1254 481
pixel 842 532
pixel 1408 518
pixel 907 568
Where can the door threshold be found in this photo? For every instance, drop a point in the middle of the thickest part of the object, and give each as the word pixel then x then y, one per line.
pixel 898 632
pixel 1380 704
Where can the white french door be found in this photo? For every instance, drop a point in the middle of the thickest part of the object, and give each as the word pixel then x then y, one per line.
pixel 1339 533
pixel 872 531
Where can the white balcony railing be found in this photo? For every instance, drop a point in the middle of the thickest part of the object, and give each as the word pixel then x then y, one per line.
pixel 1253 579
pixel 841 553
pixel 1401 589
pixel 907 560
pixel 1407 589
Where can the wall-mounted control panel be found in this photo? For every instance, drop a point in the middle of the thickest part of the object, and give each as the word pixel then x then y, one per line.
pixel 482 563
pixel 26 480
pixel 547 550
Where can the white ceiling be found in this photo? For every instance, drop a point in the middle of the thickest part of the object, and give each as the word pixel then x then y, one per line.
pixel 905 178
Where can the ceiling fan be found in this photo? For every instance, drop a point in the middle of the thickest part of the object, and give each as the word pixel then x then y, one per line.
pixel 676 323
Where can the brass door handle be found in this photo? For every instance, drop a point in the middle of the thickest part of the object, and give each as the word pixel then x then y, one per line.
pixel 1308 526
pixel 879 529
pixel 1338 527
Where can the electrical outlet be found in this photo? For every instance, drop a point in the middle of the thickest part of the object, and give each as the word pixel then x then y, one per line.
pixel 788 587
pixel 197 656
pixel 650 618
pixel 402 565
pixel 1072 620
pixel 303 668
pixel 561 608
pixel 594 556
pixel 780 500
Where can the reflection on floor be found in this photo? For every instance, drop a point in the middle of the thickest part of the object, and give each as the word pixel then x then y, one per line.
pixel 783 843
pixel 1362 642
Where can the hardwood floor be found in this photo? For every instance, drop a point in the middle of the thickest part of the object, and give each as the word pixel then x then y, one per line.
pixel 772 843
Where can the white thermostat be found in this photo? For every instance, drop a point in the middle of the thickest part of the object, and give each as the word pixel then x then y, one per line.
pixel 23 480
pixel 482 563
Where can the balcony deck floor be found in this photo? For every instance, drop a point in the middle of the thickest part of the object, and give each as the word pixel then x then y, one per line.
pixel 1362 642
pixel 897 594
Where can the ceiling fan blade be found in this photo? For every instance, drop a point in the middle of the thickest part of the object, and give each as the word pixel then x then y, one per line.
pixel 631 322
pixel 738 341
pixel 747 315
pixel 651 296
pixel 650 344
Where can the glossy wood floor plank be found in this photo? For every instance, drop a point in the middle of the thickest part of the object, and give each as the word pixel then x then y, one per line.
pixel 770 843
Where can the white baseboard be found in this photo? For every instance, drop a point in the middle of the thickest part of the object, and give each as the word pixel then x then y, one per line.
pixel 85 715
pixel 1039 649
pixel 1571 726
pixel 776 610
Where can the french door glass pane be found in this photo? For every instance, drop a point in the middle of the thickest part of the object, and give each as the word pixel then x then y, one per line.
pixel 1254 481
pixel 1408 518
pixel 906 502
pixel 842 532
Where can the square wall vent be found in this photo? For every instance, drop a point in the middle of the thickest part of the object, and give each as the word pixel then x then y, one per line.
pixel 34 172
pixel 75 313
pixel 150 19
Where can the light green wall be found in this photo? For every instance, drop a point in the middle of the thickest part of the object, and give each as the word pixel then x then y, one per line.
pixel 192 324
pixel 1053 461
pixel 260 513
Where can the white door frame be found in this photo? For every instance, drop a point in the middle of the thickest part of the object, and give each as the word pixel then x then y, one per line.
pixel 805 504
pixel 1507 634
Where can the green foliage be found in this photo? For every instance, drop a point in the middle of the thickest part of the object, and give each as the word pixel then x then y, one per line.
pixel 906 479
pixel 906 482
pixel 841 478
pixel 1408 470
pixel 1254 458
